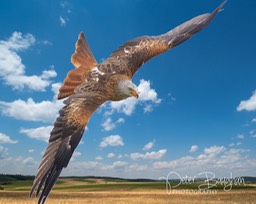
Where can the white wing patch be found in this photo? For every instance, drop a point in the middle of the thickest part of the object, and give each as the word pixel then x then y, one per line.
pixel 95 74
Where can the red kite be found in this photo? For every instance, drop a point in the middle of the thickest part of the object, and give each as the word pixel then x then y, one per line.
pixel 92 84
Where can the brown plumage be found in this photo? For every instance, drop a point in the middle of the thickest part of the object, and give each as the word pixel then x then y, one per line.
pixel 91 84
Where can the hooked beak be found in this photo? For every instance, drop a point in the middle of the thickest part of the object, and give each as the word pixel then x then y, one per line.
pixel 135 94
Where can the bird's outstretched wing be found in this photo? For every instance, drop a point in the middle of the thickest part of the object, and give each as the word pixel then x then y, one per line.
pixel 65 136
pixel 84 61
pixel 133 54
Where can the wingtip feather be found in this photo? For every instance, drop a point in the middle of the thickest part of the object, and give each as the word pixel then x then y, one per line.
pixel 220 7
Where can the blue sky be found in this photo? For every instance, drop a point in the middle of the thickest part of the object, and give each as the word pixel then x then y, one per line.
pixel 197 106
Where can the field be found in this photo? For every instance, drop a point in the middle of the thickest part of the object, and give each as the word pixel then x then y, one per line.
pixel 118 191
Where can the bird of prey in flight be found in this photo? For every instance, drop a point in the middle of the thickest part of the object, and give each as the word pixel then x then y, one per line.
pixel 90 85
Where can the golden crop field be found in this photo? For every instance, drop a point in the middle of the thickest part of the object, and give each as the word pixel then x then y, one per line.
pixel 89 191
pixel 131 197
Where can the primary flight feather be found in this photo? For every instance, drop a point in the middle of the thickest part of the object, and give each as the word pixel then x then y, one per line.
pixel 92 84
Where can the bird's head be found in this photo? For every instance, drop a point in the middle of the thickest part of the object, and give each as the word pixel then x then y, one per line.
pixel 126 89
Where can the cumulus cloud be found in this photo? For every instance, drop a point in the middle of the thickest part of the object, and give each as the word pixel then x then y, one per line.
pixel 112 140
pixel 148 99
pixel 12 70
pixel 6 139
pixel 215 159
pixel 29 161
pixel 253 133
pixel 29 110
pixel 41 133
pixel 108 124
pixel 248 105
pixel 99 158
pixel 235 144
pixel 75 155
pixel 149 145
pixel 214 150
pixel 193 148
pixel 139 167
pixel 147 93
pixel 21 165
pixel 31 150
pixel 240 136
pixel 119 164
pixel 149 155
pixel 3 152
pixel 111 155
pixel 126 106
pixel 84 165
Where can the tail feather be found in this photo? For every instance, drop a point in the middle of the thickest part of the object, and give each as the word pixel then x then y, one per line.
pixel 84 61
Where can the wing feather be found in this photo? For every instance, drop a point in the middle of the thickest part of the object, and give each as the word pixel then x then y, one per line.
pixel 65 136
pixel 128 58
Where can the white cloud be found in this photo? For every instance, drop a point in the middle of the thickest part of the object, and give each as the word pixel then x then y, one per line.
pixel 41 133
pixel 19 165
pixel 120 120
pixel 119 164
pixel 217 159
pixel 253 133
pixel 193 148
pixel 55 89
pixel 62 20
pixel 46 42
pixel 12 70
pixel 147 93
pixel 98 158
pixel 112 140
pixel 148 98
pixel 3 152
pixel 139 167
pixel 126 106
pixel 111 155
pixel 29 161
pixel 254 120
pixel 149 145
pixel 240 136
pixel 18 42
pixel 75 155
pixel 78 165
pixel 149 155
pixel 171 98
pixel 214 150
pixel 232 160
pixel 31 150
pixel 6 139
pixel 44 111
pixel 235 144
pixel 108 124
pixel 248 105
pixel 66 10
